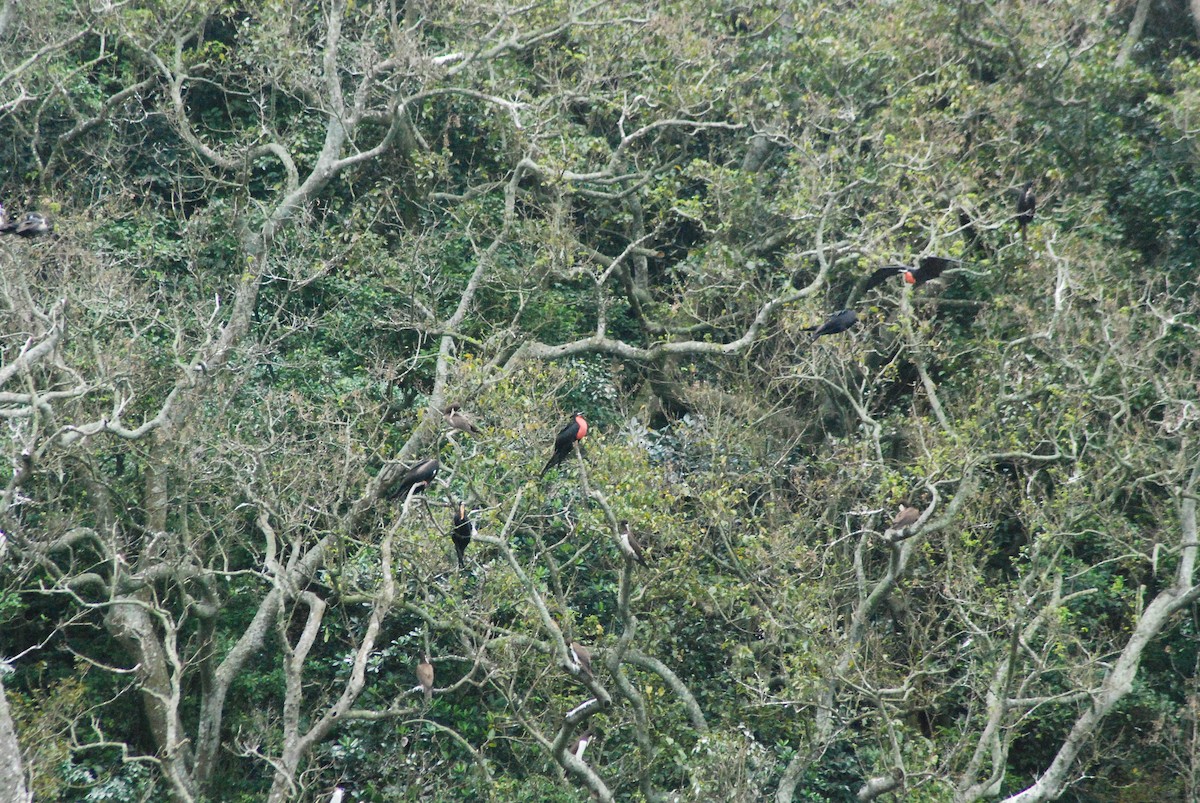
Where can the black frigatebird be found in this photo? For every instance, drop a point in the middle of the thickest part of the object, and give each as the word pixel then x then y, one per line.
pixel 571 434
pixel 418 477
pixel 1026 207
pixel 840 322
pixel 930 268
pixel 462 532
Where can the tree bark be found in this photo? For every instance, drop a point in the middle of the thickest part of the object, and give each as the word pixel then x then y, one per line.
pixel 1119 681
pixel 1135 30
pixel 12 773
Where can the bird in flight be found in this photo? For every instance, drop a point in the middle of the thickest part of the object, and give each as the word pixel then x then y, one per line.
pixel 418 477
pixel 839 322
pixel 930 268
pixel 458 420
pixel 462 532
pixel 571 434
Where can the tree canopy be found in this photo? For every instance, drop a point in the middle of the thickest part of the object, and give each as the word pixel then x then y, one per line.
pixel 287 238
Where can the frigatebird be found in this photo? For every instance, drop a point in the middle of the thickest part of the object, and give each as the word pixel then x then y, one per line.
pixel 631 546
pixel 425 678
pixel 418 478
pixel 1026 207
pixel 582 657
pixel 839 322
pixel 34 224
pixel 458 420
pixel 571 434
pixel 905 517
pixel 930 268
pixel 580 744
pixel 462 532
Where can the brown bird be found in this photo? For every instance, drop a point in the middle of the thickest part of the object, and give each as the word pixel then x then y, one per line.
pixel 580 744
pixel 583 658
pixel 458 420
pixel 34 224
pixel 905 517
pixel 630 545
pixel 425 678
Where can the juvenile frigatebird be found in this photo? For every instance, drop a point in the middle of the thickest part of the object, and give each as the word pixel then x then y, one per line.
pixel 571 434
pixel 582 657
pixel 580 744
pixel 458 420
pixel 425 678
pixel 840 322
pixel 1026 207
pixel 630 545
pixel 905 516
pixel 34 224
pixel 418 477
pixel 462 532
pixel 930 268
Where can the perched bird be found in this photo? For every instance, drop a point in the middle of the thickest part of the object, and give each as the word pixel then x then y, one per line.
pixel 630 545
pixel 462 532
pixel 582 657
pixel 840 322
pixel 34 224
pixel 905 516
pixel 930 268
pixel 580 744
pixel 571 434
pixel 458 420
pixel 1026 207
pixel 425 678
pixel 418 477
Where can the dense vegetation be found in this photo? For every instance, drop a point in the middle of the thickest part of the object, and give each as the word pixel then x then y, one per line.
pixel 288 235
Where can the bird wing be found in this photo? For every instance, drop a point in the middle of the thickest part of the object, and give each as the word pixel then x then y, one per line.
pixel 582 657
pixel 566 437
pixel 881 275
pixel 1027 201
pixel 421 472
pixel 907 517
pixel 460 421
pixel 932 267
